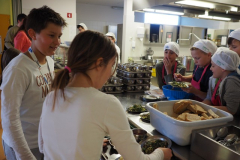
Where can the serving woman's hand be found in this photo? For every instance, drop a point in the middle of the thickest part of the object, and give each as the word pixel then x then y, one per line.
pixel 168 65
pixel 167 153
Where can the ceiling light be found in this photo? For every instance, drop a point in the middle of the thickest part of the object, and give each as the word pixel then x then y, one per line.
pixel 222 18
pixel 169 12
pixel 207 5
pixel 197 3
pixel 156 18
pixel 148 10
pixel 234 9
pixel 214 17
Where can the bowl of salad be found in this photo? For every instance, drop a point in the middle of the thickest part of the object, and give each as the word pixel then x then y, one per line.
pixel 154 142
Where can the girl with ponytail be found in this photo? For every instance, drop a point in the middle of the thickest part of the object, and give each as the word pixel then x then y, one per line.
pixel 76 115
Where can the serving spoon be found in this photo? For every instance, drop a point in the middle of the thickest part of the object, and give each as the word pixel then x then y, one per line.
pixel 221 133
pixel 230 139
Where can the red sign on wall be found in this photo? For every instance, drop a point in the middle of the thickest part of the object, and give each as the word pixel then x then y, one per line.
pixel 69 15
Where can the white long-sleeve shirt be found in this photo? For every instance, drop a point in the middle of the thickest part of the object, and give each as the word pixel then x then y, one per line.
pixel 22 97
pixel 76 127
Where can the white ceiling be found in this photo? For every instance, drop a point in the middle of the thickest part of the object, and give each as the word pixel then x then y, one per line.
pixel 104 2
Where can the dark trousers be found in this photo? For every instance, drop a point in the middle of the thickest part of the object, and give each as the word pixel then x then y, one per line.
pixel 10 153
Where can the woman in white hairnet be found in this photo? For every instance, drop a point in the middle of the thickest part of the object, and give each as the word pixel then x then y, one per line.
pixel 82 27
pixel 234 41
pixel 224 85
pixel 112 37
pixel 169 66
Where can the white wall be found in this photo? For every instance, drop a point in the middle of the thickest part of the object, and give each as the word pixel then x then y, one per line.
pixel 62 7
pixel 204 23
pixel 98 17
pixel 233 25
pixel 141 48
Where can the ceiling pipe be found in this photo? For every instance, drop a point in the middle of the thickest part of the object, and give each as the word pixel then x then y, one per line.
pixel 188 38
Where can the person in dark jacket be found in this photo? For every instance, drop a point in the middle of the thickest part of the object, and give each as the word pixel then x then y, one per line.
pixel 166 69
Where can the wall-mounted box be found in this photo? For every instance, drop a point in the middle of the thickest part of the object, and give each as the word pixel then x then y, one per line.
pixel 160 34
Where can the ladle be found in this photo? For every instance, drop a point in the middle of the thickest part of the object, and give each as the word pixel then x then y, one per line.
pixel 230 139
pixel 221 133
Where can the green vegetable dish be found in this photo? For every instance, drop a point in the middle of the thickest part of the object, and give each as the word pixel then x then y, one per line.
pixel 150 146
pixel 145 117
pixel 137 108
pixel 179 84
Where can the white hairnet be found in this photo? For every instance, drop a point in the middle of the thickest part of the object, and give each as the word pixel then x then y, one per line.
pixel 235 34
pixel 110 34
pixel 83 25
pixel 173 46
pixel 226 59
pixel 206 46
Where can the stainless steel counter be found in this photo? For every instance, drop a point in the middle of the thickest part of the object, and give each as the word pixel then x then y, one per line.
pixel 128 99
pixel 182 152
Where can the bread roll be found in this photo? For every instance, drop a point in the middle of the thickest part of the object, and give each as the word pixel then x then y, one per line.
pixel 213 114
pixel 192 117
pixel 180 106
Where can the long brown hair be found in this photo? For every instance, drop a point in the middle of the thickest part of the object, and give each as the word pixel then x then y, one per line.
pixel 86 48
pixel 23 28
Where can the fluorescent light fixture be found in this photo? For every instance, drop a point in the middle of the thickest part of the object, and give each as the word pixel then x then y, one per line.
pixel 148 10
pixel 222 18
pixel 169 12
pixel 204 4
pixel 214 17
pixel 155 18
pixel 234 9
pixel 197 3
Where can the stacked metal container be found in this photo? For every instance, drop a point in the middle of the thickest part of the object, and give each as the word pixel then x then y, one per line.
pixel 113 85
pixel 136 77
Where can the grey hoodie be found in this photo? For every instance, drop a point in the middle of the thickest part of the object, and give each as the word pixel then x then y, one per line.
pixel 229 93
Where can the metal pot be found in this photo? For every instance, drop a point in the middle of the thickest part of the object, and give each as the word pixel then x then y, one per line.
pixel 188 62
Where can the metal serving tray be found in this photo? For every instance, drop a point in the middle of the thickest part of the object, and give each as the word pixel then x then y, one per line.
pixel 203 144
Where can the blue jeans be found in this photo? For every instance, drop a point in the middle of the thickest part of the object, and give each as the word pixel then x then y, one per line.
pixel 10 153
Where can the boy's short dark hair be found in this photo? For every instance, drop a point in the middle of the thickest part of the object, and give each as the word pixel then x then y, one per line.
pixel 39 18
pixel 21 16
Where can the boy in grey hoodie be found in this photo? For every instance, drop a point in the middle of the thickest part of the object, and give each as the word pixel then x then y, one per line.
pixel 224 85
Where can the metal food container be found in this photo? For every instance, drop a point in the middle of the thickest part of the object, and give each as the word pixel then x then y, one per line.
pixel 120 73
pixel 146 87
pixel 138 88
pixel 180 131
pixel 109 89
pixel 147 75
pixel 117 88
pixel 158 137
pixel 129 75
pixel 139 68
pixel 129 81
pixel 201 137
pixel 146 81
pixel 139 81
pixel 130 88
pixel 120 81
pixel 139 75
